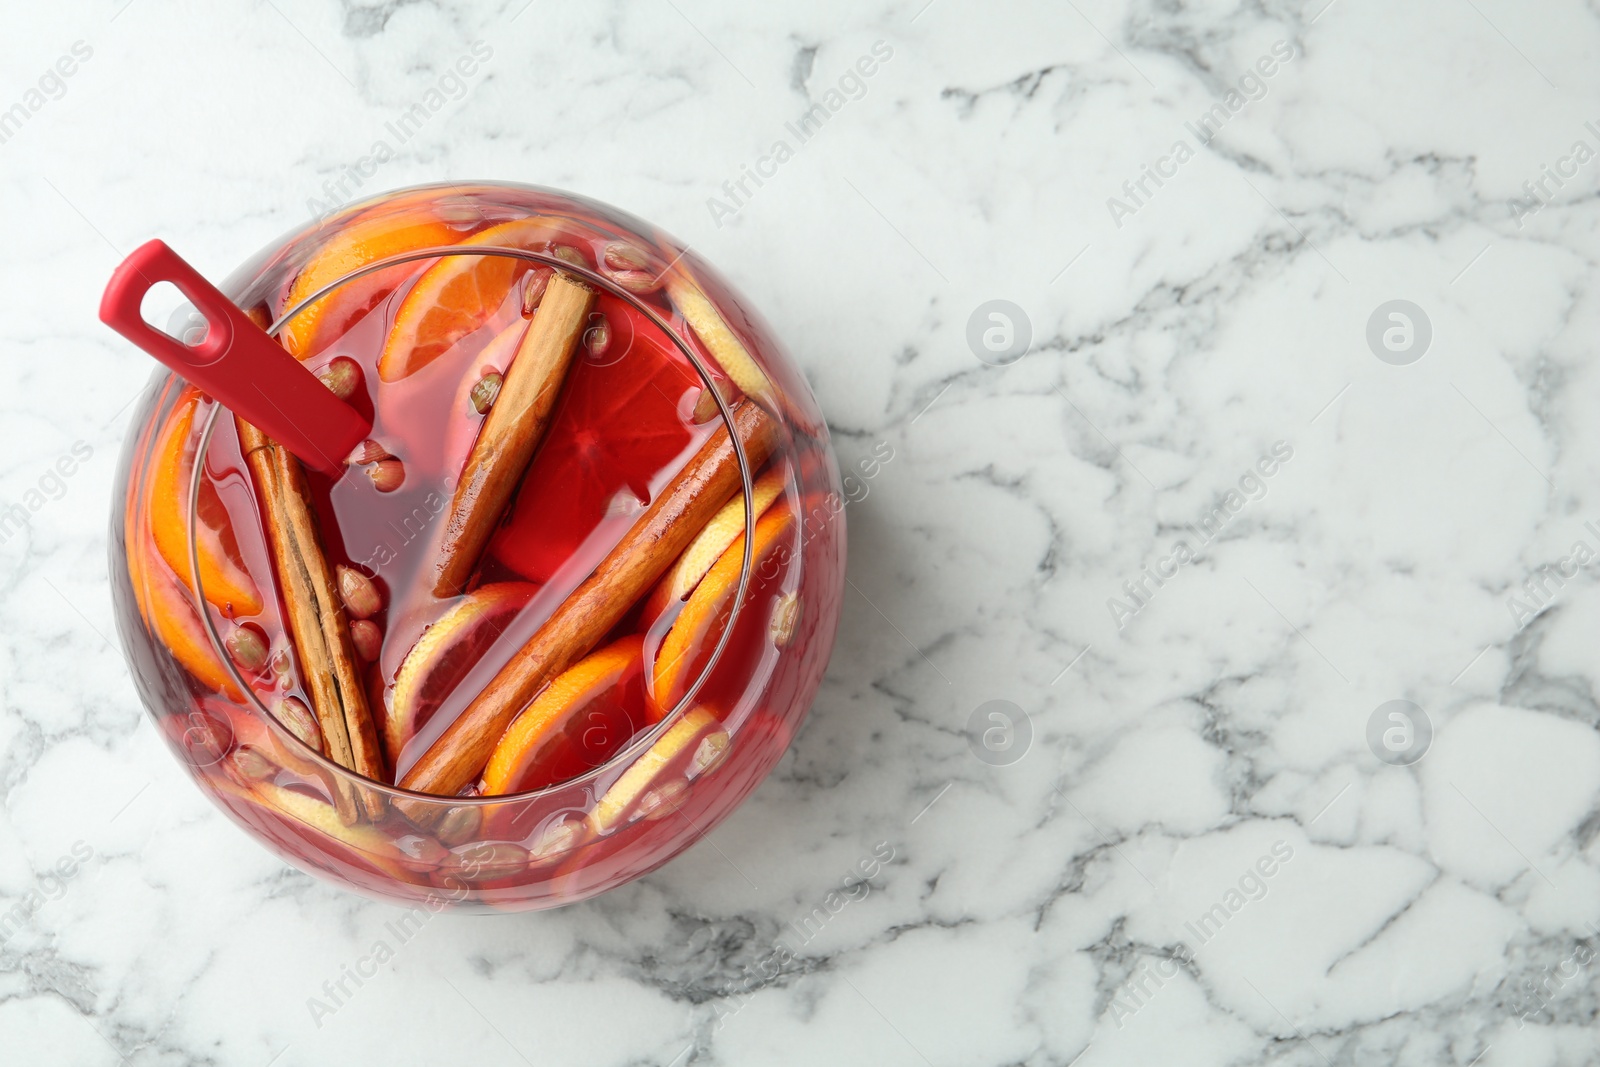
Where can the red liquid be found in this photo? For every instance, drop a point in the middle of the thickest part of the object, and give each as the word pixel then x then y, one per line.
pixel 624 425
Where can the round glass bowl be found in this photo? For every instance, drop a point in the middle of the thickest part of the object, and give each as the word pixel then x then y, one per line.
pixel 414 302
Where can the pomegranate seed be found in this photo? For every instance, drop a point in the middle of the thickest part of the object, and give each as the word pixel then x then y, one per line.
pixel 368 451
pixel 492 859
pixel 248 646
pixel 343 376
pixel 597 338
pixel 486 391
pixel 359 593
pixel 368 639
pixel 785 616
pixel 662 800
pixel 461 824
pixel 557 839
pixel 251 764
pixel 538 282
pixel 709 756
pixel 571 255
pixel 639 282
pixel 298 720
pixel 620 256
pixel 387 474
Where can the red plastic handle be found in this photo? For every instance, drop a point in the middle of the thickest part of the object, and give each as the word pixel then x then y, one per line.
pixel 237 362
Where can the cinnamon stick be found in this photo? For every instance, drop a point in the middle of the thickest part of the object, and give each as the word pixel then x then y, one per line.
pixel 317 622
pixel 512 431
pixel 637 562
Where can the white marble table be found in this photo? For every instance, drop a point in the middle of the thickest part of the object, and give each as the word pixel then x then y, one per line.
pixel 1183 848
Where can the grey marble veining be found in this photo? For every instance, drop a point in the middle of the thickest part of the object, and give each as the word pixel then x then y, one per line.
pixel 1178 842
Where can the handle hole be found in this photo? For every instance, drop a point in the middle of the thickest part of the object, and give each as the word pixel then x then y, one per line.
pixel 165 309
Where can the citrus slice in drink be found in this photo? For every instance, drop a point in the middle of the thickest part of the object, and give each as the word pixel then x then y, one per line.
pixel 695 632
pixel 619 432
pixel 577 722
pixel 444 654
pixel 713 331
pixel 222 574
pixel 274 810
pixel 709 544
pixel 171 616
pixel 460 294
pixel 364 241
pixel 655 783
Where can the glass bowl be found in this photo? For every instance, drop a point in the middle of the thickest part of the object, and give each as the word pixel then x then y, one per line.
pixel 728 640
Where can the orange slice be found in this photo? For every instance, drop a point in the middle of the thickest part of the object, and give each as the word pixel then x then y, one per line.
pixel 227 585
pixel 458 295
pixel 714 332
pixel 366 240
pixel 654 785
pixel 699 625
pixel 710 543
pixel 317 817
pixel 161 602
pixel 444 654
pixel 593 693
pixel 172 617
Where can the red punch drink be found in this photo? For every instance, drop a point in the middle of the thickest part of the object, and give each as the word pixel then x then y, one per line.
pixel 552 619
